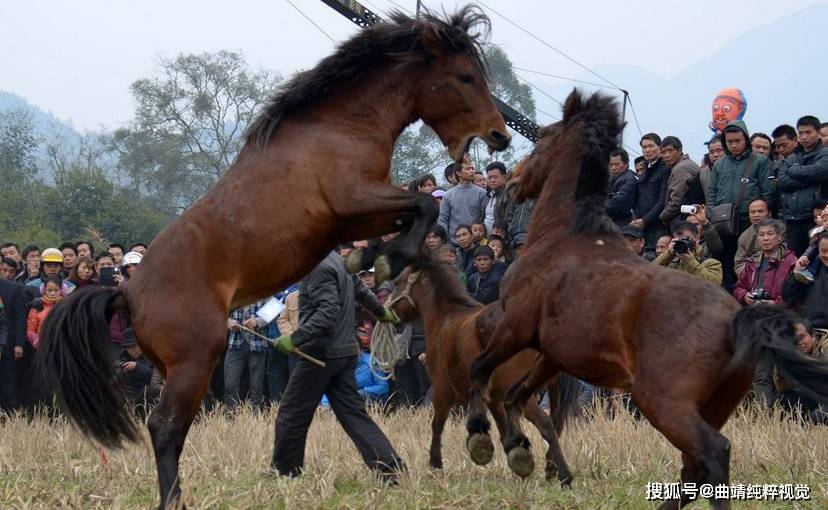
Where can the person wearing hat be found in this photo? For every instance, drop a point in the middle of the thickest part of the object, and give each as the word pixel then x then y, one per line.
pixel 136 373
pixel 51 264
pixel 634 236
pixel 130 263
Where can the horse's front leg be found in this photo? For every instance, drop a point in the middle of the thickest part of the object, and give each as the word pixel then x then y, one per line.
pixel 374 209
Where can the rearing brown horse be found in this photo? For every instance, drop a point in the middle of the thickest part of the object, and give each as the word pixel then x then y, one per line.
pixel 314 172
pixel 596 310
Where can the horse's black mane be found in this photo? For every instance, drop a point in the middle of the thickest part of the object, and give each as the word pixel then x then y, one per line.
pixel 397 39
pixel 600 125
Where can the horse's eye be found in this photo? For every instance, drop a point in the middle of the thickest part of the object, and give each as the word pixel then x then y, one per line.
pixel 466 78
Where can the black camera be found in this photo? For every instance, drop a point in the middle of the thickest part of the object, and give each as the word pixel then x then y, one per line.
pixel 684 245
pixel 760 295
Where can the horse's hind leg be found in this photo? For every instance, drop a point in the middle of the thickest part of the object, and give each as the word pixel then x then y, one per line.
pixel 521 396
pixel 706 453
pixel 185 385
pixel 555 463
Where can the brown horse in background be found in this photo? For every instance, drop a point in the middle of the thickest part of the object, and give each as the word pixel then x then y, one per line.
pixel 594 309
pixel 457 329
pixel 313 173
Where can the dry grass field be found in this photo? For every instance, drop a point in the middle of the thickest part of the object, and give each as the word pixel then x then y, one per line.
pixel 49 465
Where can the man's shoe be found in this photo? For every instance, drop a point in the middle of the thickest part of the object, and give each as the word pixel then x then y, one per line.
pixel 804 276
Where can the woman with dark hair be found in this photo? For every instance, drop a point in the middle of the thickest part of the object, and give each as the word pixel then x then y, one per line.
pixel 84 274
pixel 427 183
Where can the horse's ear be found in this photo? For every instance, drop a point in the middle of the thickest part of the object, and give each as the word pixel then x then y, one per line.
pixel 572 105
pixel 430 41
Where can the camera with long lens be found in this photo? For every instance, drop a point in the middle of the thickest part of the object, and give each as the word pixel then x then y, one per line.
pixel 684 245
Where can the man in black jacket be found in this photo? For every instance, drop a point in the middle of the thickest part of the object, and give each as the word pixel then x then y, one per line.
pixel 15 306
pixel 326 331
pixel 623 188
pixel 652 192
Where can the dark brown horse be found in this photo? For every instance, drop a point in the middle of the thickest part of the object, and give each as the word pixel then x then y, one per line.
pixel 597 311
pixel 457 329
pixel 313 173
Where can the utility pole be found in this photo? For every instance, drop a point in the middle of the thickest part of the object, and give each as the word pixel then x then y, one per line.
pixel 624 115
pixel 418 8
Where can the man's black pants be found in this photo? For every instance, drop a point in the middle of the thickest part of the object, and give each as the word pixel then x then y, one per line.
pixel 306 386
pixel 798 239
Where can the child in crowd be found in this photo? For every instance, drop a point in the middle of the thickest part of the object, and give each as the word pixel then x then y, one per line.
pixel 478 231
pixel 810 258
pixel 51 292
pixel 498 247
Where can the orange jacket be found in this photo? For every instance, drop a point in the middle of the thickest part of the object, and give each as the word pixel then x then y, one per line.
pixel 34 321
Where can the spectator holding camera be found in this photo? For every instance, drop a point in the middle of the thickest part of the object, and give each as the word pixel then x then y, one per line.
pixel 683 186
pixel 764 274
pixel 748 242
pixel 685 253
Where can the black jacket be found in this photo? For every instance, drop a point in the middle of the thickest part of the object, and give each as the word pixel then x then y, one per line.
pixel 623 191
pixel 485 287
pixel 16 307
pixel 652 193
pixel 803 178
pixel 813 297
pixel 327 310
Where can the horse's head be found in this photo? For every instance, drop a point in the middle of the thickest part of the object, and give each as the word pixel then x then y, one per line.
pixel 587 133
pixel 402 299
pixel 422 286
pixel 453 95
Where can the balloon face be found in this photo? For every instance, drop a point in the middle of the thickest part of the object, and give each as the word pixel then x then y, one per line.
pixel 728 106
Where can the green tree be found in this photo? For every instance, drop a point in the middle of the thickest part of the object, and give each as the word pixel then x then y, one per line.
pixel 188 125
pixel 419 151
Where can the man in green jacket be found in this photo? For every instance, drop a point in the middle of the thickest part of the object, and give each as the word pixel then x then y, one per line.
pixel 686 253
pixel 726 178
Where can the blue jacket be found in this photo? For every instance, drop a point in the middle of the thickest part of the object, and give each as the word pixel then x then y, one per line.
pixel 369 386
pixel 485 288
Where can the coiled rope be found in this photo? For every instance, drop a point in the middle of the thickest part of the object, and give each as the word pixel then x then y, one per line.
pixel 388 347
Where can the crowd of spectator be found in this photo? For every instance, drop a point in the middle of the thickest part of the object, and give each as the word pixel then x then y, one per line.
pixel 667 208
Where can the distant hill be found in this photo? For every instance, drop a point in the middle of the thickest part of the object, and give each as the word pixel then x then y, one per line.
pixel 777 91
pixel 46 125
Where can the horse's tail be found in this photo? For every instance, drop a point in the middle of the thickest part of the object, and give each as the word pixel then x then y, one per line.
pixel 769 331
pixel 563 395
pixel 75 359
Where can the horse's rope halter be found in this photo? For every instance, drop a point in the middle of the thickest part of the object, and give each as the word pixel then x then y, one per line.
pixel 385 351
pixel 406 292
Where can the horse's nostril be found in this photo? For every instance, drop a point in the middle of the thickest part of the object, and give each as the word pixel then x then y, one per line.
pixel 497 136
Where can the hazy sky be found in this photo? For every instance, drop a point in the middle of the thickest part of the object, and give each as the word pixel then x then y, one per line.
pixel 77 59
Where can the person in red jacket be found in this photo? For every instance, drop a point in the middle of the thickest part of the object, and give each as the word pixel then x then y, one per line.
pixel 765 274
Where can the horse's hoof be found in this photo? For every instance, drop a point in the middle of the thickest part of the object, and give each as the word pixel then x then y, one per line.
pixel 382 269
pixel 353 262
pixel 566 482
pixel 521 461
pixel 435 464
pixel 481 449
